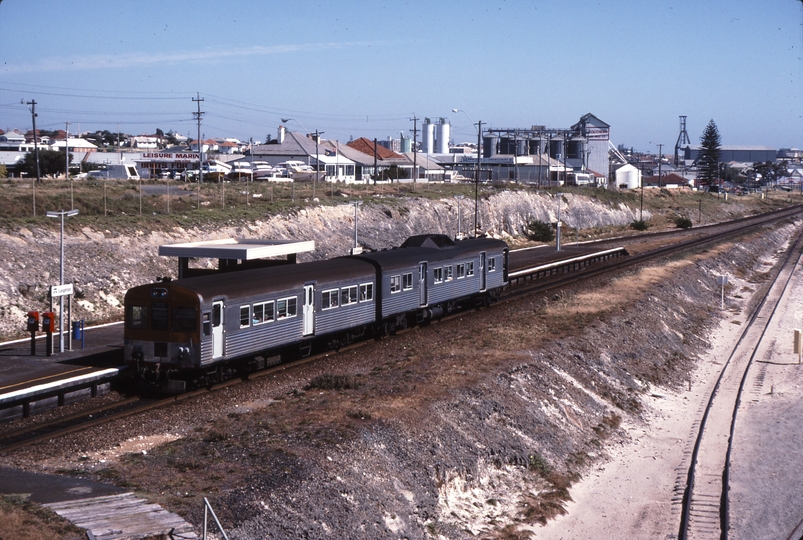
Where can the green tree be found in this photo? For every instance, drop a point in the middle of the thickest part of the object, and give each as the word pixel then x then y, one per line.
pixel 540 231
pixel 394 172
pixel 51 162
pixel 708 160
pixel 770 172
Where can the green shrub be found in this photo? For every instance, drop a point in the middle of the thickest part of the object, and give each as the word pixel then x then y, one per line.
pixel 540 231
pixel 639 225
pixel 682 222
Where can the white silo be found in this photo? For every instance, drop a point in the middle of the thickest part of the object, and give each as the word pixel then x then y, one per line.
pixel 628 177
pixel 428 137
pixel 443 134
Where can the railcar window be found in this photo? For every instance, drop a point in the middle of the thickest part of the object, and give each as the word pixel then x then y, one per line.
pixel 407 281
pixel 437 275
pixel 138 317
pixel 268 311
pixel 461 271
pixel 184 319
pixel 329 299
pixel 395 284
pixel 263 312
pixel 207 324
pixel 366 292
pixel 286 308
pixel 447 273
pixel 469 269
pixel 159 316
pixel 245 316
pixel 348 295
pixel 492 264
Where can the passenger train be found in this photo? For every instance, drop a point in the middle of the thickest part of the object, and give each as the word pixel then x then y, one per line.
pixel 204 329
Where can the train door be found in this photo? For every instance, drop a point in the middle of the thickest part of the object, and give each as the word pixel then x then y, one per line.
pixel 308 310
pixel 483 276
pixel 422 283
pixel 217 329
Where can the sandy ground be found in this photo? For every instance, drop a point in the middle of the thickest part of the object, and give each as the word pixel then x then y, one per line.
pixel 637 493
pixel 766 496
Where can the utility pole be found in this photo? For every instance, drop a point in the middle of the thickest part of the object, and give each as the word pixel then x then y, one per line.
pixel 318 164
pixel 415 149
pixel 67 160
pixel 32 103
pixel 197 116
pixel 660 151
pixel 477 179
pixel 375 161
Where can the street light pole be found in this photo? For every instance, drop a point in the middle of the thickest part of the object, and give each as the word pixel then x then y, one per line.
pixel 285 120
pixel 317 162
pixel 459 228
pixel 356 204
pixel 479 164
pixel 559 224
pixel 477 182
pixel 61 214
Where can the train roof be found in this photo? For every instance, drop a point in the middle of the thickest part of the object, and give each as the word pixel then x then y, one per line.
pixel 284 277
pixel 431 248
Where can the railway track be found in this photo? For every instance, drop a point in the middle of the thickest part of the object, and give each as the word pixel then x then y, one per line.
pixel 703 486
pixel 714 234
pixel 16 439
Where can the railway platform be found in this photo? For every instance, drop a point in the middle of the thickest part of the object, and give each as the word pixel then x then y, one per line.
pixel 546 260
pixel 28 382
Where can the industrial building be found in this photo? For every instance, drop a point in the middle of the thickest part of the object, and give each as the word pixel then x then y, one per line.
pixel 577 155
pixel 744 154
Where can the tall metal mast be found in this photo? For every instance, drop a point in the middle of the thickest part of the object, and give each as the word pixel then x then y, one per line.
pixel 683 139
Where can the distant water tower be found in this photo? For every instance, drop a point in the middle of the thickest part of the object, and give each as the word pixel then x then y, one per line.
pixel 406 144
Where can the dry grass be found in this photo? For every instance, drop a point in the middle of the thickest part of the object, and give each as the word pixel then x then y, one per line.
pixel 23 520
pixel 616 294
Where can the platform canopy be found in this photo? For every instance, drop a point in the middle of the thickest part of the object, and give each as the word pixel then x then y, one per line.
pixel 233 253
pixel 242 249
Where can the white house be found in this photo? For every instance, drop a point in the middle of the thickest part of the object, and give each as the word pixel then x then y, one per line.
pixel 144 142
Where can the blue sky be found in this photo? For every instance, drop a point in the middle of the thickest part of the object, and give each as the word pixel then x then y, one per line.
pixel 353 68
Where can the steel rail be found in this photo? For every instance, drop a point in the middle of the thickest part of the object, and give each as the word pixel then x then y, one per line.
pixel 687 500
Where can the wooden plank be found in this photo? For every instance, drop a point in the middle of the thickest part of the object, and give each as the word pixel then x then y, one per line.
pixel 122 517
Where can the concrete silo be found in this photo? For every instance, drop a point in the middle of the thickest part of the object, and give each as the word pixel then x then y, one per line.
pixel 428 137
pixel 628 177
pixel 444 132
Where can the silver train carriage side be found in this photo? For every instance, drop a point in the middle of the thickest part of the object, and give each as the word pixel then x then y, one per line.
pixel 206 328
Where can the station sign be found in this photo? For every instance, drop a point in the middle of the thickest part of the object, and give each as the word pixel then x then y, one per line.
pixel 61 290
